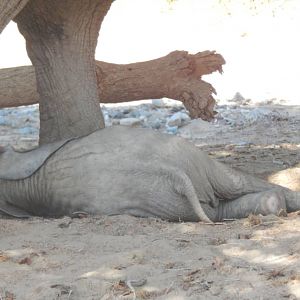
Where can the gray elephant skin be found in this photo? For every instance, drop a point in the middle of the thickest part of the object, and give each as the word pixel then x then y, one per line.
pixel 139 172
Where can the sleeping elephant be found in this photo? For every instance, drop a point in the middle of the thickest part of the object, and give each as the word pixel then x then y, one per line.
pixel 140 172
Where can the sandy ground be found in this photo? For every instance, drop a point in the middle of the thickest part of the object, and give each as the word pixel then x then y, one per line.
pixel 123 257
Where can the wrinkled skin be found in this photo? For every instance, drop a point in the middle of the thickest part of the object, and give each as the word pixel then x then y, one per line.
pixel 139 172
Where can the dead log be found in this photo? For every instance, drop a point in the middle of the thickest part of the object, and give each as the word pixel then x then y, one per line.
pixel 176 76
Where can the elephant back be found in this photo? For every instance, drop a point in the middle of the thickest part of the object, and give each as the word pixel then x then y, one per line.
pixel 19 165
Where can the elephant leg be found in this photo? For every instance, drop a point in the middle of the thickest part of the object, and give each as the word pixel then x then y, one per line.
pixel 265 203
pixel 292 200
pixel 229 184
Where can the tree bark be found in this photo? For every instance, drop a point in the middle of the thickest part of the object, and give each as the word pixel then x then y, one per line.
pixel 8 10
pixel 61 38
pixel 176 76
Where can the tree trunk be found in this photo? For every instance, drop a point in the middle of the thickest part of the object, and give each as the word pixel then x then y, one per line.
pixel 8 10
pixel 61 38
pixel 175 76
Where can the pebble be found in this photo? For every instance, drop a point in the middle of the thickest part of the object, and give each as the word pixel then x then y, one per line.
pixel 116 114
pixel 178 119
pixel 158 102
pixel 174 120
pixel 172 129
pixel 130 122
pixel 156 124
pixel 115 122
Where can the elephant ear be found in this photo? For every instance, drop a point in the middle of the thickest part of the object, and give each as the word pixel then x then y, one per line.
pixel 9 210
pixel 19 165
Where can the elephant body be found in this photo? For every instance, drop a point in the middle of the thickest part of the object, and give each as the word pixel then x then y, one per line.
pixel 140 172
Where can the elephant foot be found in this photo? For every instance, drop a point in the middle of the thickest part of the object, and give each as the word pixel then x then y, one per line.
pixel 272 202
pixel 264 203
pixel 292 200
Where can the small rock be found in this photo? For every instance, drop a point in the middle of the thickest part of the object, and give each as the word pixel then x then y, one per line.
pixel 185 118
pixel 156 120
pixel 64 289
pixel 174 120
pixel 65 224
pixel 130 122
pixel 158 102
pixel 244 236
pixel 127 110
pixel 172 129
pixel 116 114
pixel 115 122
pixel 177 108
pixel 177 119
pixel 25 261
pixel 135 114
pixel 155 125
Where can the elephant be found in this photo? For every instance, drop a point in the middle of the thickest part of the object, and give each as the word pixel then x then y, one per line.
pixel 134 171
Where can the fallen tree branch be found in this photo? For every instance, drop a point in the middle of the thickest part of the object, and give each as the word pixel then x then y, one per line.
pixel 176 76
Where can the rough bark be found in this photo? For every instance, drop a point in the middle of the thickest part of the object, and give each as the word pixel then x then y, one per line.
pixel 18 87
pixel 61 37
pixel 176 76
pixel 8 10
